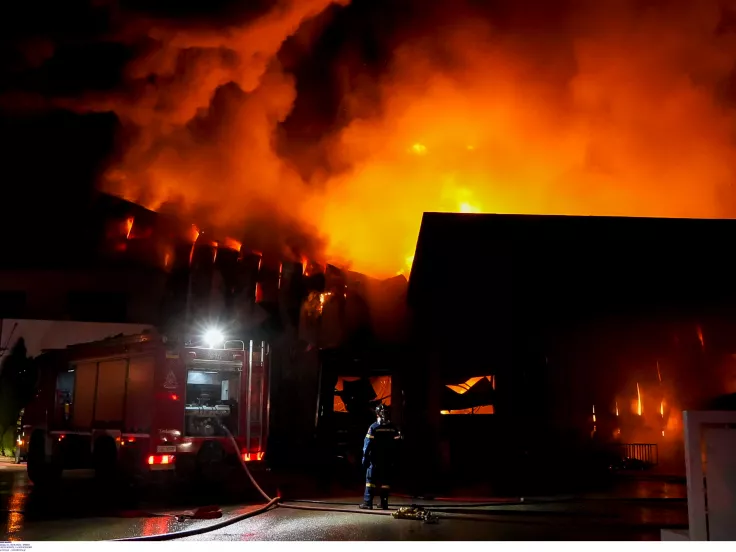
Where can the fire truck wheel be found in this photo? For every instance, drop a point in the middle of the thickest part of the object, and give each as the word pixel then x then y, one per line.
pixel 105 456
pixel 41 472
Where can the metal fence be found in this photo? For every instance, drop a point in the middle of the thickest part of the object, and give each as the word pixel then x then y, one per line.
pixel 646 453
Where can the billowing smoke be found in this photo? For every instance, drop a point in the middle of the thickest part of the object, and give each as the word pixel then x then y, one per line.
pixel 199 106
pixel 618 109
pixel 611 107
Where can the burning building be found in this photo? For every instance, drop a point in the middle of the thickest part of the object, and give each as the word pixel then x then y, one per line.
pixel 632 315
pixel 132 265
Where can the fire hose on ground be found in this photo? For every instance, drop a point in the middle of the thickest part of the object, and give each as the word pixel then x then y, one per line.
pixel 415 512
pixel 418 512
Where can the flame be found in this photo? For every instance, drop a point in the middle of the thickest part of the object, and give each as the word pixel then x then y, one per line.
pixel 661 408
pixel 465 386
pixel 409 261
pixel 585 123
pixel 593 413
pixel 324 297
pixel 194 234
pixel 700 337
pixel 640 407
pixel 314 305
pixel 466 207
pixel 167 260
pixel 230 243
pixel 128 226
pixel 419 149
pixel 616 408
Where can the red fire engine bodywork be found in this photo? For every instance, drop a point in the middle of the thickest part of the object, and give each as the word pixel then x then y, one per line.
pixel 143 404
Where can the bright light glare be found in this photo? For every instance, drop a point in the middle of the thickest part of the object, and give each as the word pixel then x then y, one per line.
pixel 213 338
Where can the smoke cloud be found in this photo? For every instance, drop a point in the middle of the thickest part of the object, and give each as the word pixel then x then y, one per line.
pixel 200 108
pixel 619 110
pixel 615 107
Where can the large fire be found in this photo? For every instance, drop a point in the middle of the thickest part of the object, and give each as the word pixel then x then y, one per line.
pixel 619 108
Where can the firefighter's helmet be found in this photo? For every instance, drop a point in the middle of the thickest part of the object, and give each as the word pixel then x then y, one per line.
pixel 383 412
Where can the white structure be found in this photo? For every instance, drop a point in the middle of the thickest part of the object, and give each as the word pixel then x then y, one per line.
pixel 710 462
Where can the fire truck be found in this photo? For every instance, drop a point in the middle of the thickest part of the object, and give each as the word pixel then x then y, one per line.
pixel 137 404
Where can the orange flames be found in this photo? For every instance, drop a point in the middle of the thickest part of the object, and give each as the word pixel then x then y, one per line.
pixel 194 234
pixel 585 120
pixel 229 243
pixel 465 386
pixel 640 406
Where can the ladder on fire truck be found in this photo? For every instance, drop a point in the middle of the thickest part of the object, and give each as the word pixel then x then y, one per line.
pixel 255 427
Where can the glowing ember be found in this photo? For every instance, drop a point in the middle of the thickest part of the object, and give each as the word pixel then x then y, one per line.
pixel 315 303
pixel 640 408
pixel 700 337
pixel 593 413
pixel 128 226
pixel 616 408
pixel 661 408
pixel 659 373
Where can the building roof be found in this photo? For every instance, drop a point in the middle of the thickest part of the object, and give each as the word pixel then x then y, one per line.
pixel 570 265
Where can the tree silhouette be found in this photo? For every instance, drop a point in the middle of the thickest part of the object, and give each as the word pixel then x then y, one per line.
pixel 18 377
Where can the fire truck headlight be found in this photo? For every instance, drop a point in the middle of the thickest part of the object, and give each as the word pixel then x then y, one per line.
pixel 213 338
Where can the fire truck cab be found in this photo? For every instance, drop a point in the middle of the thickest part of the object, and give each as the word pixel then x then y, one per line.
pixel 132 405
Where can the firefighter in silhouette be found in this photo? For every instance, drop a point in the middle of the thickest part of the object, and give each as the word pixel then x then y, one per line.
pixel 379 455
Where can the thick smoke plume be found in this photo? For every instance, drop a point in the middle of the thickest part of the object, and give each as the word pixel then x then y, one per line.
pixel 200 108
pixel 598 108
pixel 620 109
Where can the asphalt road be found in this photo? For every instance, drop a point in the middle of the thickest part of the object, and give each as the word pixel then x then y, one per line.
pixel 78 510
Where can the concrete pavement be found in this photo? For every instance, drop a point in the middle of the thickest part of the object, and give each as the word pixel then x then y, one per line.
pixel 636 512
